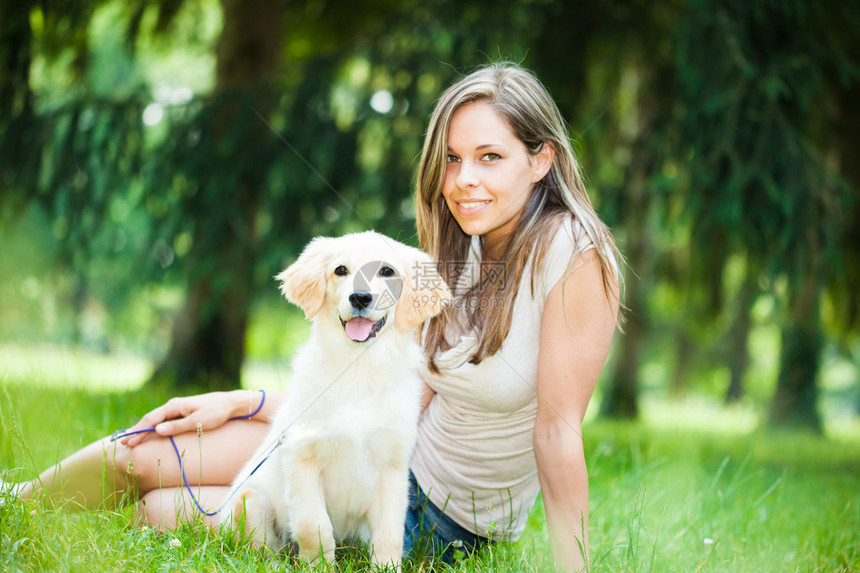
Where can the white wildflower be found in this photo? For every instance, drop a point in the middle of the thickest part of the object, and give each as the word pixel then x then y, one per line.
pixel 709 541
pixel 175 542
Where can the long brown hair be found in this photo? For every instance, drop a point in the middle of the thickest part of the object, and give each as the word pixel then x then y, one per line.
pixel 533 117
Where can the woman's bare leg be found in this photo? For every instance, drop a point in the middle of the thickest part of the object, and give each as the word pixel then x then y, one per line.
pixel 103 472
pixel 89 478
pixel 166 507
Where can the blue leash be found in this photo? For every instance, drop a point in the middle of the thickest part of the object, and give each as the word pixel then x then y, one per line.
pixel 122 434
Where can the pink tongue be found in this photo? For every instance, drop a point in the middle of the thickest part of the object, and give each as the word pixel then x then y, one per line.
pixel 358 329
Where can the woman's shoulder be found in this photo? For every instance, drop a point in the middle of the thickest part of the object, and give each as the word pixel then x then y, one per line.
pixel 569 237
pixel 564 244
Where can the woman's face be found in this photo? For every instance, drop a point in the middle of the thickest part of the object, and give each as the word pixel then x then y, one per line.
pixel 490 173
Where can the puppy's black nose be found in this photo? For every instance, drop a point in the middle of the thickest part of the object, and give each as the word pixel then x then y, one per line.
pixel 360 300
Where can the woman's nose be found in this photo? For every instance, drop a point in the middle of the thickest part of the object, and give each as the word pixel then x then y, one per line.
pixel 467 176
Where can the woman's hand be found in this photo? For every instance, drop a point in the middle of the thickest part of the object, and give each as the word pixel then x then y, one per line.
pixel 206 411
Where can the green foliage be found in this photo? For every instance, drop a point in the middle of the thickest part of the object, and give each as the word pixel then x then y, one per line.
pixel 716 136
pixel 757 183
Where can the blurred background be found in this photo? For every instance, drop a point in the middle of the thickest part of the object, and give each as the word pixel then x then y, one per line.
pixel 161 160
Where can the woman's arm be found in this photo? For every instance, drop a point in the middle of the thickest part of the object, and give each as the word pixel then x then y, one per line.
pixel 210 410
pixel 577 326
pixel 427 395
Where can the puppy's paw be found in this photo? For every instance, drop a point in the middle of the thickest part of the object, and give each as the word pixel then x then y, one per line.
pixel 386 556
pixel 249 519
pixel 314 544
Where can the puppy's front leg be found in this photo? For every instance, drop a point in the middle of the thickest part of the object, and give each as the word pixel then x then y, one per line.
pixel 387 516
pixel 309 521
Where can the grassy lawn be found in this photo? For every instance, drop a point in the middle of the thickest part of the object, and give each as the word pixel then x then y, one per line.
pixel 690 488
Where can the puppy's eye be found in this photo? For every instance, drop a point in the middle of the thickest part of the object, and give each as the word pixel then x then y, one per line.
pixel 341 271
pixel 386 272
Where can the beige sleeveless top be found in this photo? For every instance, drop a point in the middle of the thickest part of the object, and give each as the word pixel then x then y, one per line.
pixel 474 456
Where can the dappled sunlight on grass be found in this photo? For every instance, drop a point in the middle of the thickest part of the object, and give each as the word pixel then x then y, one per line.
pixel 269 376
pixel 844 428
pixel 70 367
pixel 699 413
pixel 707 415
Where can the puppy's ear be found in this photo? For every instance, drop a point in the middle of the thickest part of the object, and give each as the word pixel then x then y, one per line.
pixel 303 282
pixel 423 296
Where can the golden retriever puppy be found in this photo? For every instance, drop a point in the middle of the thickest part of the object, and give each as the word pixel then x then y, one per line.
pixel 335 464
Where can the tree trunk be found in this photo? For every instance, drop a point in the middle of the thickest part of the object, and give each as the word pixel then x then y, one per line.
pixel 739 356
pixel 684 359
pixel 16 39
pixel 208 340
pixel 621 399
pixel 207 347
pixel 17 136
pixel 795 401
pixel 846 120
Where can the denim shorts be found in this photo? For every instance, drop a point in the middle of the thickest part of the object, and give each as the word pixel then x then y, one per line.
pixel 430 532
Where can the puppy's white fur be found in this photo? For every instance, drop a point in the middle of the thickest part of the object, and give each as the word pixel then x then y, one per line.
pixel 349 424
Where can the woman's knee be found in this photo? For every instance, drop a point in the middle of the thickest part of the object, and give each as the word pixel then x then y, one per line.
pixel 211 460
pixel 117 462
pixel 155 510
pixel 145 510
pixel 138 467
pixel 164 508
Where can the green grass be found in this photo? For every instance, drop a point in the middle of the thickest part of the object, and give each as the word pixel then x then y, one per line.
pixel 690 488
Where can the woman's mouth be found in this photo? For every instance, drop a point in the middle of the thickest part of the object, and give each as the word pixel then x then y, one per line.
pixel 470 207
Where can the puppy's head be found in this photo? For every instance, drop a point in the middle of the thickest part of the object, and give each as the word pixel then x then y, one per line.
pixel 365 282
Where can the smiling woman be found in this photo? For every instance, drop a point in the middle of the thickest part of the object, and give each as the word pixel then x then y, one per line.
pixel 499 188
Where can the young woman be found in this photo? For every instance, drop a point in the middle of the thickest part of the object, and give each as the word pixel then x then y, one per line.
pixel 511 366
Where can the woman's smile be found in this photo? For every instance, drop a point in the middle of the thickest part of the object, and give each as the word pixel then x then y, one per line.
pixel 471 206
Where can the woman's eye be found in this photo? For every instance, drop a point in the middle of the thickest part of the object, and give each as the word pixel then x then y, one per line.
pixel 453 159
pixel 386 272
pixel 341 271
pixel 491 157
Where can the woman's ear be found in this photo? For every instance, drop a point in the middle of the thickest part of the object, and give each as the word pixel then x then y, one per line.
pixel 303 283
pixel 542 161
